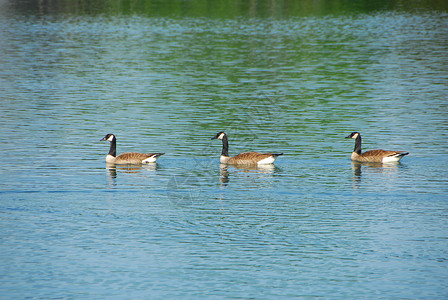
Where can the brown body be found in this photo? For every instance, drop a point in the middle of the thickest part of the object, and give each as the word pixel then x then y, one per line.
pixel 252 158
pixel 133 158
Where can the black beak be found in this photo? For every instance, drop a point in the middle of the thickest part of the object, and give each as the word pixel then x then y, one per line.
pixel 214 138
pixel 348 137
pixel 103 139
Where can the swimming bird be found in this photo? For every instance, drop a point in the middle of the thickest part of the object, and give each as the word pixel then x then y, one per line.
pixel 382 156
pixel 130 158
pixel 246 158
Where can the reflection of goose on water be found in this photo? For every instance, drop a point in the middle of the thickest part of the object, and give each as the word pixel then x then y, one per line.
pixel 263 170
pixel 268 168
pixel 246 158
pixel 373 167
pixel 379 155
pixel 131 158
pixel 129 168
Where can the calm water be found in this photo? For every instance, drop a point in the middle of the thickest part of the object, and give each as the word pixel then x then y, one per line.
pixel 315 225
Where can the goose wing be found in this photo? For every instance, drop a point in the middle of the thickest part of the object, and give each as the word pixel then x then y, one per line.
pixel 383 153
pixel 250 158
pixel 135 157
pixel 155 155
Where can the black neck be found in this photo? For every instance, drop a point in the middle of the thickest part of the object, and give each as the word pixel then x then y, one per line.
pixel 113 148
pixel 357 149
pixel 225 146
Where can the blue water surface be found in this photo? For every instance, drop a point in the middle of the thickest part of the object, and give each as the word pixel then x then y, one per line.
pixel 315 225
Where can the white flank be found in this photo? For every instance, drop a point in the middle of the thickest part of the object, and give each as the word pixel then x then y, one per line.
pixel 266 161
pixel 390 159
pixel 150 160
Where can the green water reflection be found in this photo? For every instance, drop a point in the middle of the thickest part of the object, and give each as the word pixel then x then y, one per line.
pixel 223 9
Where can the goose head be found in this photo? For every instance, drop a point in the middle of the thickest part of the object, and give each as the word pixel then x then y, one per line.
pixel 352 135
pixel 219 136
pixel 109 137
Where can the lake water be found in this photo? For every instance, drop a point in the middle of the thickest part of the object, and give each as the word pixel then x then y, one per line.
pixel 166 78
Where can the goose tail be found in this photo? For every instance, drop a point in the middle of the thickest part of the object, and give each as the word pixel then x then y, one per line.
pixel 402 154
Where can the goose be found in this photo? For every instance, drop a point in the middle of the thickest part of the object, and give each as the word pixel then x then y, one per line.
pixel 130 158
pixel 381 156
pixel 246 158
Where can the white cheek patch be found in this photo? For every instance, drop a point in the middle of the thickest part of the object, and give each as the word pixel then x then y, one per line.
pixel 221 136
pixel 355 136
pixel 110 138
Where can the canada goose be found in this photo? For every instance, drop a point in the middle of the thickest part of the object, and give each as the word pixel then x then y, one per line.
pixel 130 158
pixel 246 158
pixel 382 156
